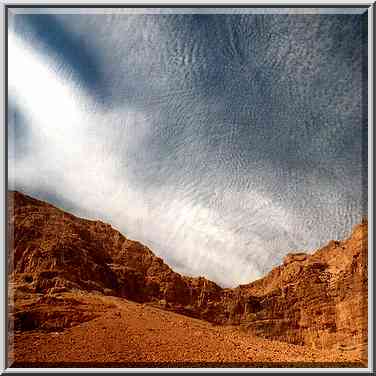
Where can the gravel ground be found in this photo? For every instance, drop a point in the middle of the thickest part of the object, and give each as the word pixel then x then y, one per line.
pixel 129 334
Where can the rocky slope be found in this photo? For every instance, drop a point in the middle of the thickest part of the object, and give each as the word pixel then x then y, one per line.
pixel 128 334
pixel 317 299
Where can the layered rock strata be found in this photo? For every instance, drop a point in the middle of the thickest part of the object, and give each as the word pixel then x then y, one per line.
pixel 317 299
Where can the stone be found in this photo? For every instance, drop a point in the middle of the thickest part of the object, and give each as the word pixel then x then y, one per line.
pixel 317 299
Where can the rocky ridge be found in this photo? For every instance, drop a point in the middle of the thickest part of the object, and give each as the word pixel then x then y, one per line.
pixel 317 299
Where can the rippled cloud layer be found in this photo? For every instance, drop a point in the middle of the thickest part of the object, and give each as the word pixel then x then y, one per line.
pixel 222 141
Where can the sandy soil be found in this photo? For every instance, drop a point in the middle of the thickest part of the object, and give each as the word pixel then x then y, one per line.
pixel 128 334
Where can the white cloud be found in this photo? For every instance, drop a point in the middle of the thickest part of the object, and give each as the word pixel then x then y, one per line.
pixel 88 155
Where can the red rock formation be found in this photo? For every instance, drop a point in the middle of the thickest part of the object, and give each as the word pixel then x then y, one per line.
pixel 318 299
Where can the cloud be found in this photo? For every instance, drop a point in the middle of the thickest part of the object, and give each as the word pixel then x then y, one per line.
pixel 221 141
pixel 49 36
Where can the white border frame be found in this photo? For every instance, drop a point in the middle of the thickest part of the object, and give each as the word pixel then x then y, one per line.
pixel 193 3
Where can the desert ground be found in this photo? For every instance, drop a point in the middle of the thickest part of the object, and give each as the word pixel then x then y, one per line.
pixel 129 334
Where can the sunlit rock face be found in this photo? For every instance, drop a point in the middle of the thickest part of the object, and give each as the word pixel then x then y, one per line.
pixel 222 141
pixel 318 300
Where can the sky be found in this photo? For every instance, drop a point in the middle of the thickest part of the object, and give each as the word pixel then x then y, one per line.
pixel 221 139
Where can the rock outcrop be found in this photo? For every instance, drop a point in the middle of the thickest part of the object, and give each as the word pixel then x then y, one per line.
pixel 317 299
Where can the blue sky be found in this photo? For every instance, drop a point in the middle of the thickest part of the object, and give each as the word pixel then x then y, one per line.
pixel 221 141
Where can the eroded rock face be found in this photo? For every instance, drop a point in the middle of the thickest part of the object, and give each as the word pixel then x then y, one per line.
pixel 317 299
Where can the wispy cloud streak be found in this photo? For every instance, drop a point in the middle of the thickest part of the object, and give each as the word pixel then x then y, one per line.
pixel 221 141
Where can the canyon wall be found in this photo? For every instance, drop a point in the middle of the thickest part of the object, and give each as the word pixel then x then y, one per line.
pixel 317 299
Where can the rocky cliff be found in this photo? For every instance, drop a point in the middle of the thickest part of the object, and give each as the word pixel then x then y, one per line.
pixel 317 299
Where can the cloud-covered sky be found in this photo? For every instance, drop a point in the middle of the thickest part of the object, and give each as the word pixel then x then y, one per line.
pixel 221 141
